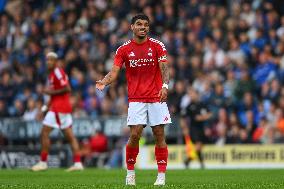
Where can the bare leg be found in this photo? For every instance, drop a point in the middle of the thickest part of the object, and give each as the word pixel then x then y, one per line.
pixel 132 147
pixel 135 135
pixel 161 153
pixel 72 140
pixel 159 134
pixel 45 141
pixel 45 144
pixel 161 150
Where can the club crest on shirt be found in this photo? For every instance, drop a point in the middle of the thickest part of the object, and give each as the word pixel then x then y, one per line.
pixel 131 54
pixel 150 52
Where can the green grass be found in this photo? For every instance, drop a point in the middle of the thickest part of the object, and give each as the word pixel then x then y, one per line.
pixel 97 178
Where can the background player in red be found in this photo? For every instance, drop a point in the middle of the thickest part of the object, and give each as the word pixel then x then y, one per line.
pixel 147 77
pixel 58 115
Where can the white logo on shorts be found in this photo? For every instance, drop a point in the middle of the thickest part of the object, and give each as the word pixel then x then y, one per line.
pixel 166 119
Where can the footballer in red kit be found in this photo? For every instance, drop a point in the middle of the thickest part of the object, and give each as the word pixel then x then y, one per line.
pixel 58 115
pixel 143 74
pixel 147 75
pixel 57 79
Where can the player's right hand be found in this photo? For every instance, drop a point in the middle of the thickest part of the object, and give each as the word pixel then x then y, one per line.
pixel 163 94
pixel 100 85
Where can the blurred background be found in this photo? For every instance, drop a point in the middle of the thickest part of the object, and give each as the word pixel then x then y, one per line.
pixel 230 51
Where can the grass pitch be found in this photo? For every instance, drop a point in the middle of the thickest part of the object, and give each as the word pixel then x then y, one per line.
pixel 97 178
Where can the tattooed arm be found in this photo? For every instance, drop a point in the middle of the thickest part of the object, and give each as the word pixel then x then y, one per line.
pixel 163 94
pixel 165 72
pixel 109 78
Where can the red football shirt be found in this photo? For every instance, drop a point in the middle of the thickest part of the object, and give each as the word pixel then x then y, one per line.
pixel 57 79
pixel 143 74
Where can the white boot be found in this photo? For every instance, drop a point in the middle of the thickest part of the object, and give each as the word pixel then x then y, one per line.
pixel 78 166
pixel 40 166
pixel 130 180
pixel 161 179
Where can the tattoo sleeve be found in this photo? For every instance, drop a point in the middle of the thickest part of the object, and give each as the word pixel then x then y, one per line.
pixel 112 75
pixel 108 78
pixel 165 72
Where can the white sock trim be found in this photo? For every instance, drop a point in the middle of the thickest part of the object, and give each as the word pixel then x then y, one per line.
pixel 77 163
pixel 130 172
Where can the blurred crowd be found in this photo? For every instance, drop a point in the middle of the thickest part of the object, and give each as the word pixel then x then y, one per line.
pixel 230 51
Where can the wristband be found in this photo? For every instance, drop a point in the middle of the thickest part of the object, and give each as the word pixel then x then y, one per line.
pixel 44 108
pixel 165 86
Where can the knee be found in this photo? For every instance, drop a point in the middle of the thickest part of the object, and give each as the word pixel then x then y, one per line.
pixel 135 137
pixel 159 135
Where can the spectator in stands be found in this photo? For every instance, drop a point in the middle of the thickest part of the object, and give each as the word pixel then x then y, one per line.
pixel 245 84
pixel 214 57
pixel 264 132
pixel 18 109
pixel 115 159
pixel 265 70
pixel 3 109
pixel 221 127
pixel 32 111
pixel 279 133
pixel 6 87
pixel 233 132
pixel 95 148
pixel 247 104
pixel 218 99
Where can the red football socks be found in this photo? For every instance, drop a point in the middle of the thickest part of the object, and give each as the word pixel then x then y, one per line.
pixel 131 154
pixel 43 156
pixel 77 158
pixel 162 158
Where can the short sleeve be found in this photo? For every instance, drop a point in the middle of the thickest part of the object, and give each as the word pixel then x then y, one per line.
pixel 161 52
pixel 118 58
pixel 61 77
pixel 64 81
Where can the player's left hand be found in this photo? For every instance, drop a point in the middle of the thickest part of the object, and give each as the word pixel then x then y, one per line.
pixel 163 94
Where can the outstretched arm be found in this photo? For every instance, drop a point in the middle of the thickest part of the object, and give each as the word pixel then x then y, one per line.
pixel 163 94
pixel 109 78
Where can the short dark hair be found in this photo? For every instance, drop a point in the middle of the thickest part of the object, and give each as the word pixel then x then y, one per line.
pixel 139 16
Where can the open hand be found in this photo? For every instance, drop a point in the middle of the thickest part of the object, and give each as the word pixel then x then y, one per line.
pixel 100 85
